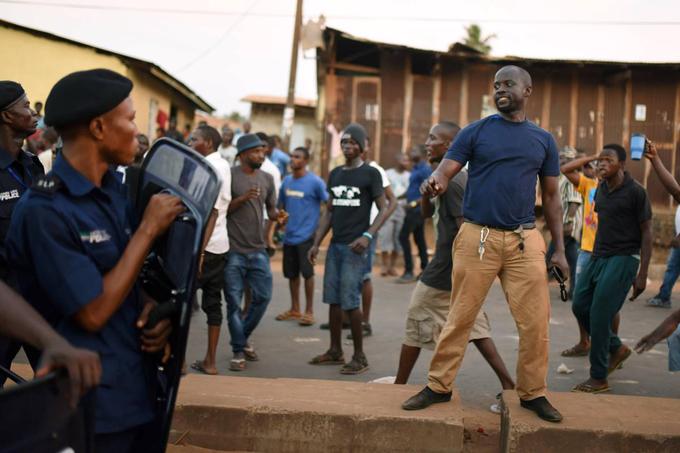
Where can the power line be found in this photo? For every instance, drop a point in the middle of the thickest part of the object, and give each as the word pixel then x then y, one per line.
pixel 220 39
pixel 85 6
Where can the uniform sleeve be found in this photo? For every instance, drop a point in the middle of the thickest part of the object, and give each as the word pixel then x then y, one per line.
pixel 551 163
pixel 461 148
pixel 61 265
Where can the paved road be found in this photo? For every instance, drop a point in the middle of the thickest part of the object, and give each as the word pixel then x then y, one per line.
pixel 285 347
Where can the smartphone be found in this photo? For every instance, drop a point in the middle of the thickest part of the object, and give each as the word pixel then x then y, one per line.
pixel 637 146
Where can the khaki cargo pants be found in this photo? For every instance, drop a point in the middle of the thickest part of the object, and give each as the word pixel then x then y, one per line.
pixel 524 280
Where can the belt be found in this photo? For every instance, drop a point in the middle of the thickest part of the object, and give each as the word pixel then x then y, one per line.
pixel 524 226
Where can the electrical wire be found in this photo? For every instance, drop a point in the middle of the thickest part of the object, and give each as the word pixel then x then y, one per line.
pixel 248 13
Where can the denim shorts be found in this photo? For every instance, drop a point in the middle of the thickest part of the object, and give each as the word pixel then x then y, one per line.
pixel 369 263
pixel 343 276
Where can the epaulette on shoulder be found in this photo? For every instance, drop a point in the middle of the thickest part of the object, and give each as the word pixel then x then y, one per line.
pixel 47 184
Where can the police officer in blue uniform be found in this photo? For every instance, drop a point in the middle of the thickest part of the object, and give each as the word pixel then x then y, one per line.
pixel 78 254
pixel 18 170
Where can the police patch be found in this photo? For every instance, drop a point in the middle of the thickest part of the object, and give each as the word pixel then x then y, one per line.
pixel 95 237
pixel 48 184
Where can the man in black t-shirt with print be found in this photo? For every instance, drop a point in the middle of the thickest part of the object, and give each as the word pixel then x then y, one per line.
pixel 353 188
pixel 623 243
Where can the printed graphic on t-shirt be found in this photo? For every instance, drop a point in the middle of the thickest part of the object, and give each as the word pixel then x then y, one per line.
pixel 295 193
pixel 346 196
pixel 591 216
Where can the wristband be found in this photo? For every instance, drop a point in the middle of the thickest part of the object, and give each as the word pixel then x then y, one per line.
pixel 368 235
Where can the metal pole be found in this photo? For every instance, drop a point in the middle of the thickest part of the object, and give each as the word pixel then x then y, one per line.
pixel 289 110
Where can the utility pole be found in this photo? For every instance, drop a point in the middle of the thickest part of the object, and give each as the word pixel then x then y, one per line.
pixel 289 110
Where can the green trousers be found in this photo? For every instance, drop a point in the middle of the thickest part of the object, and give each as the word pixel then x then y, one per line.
pixel 600 292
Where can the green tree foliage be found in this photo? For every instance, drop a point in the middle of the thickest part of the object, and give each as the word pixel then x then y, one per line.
pixel 474 39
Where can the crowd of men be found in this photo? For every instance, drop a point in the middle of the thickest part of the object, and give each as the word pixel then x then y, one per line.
pixel 72 250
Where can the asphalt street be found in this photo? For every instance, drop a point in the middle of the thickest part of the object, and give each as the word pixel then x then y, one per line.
pixel 285 347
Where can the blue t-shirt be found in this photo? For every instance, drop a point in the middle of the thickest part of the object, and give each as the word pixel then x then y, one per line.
pixel 504 160
pixel 420 172
pixel 302 198
pixel 281 160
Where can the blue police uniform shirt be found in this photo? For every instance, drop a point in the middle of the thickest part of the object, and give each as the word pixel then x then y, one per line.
pixel 16 176
pixel 420 172
pixel 62 240
pixel 301 198
pixel 504 158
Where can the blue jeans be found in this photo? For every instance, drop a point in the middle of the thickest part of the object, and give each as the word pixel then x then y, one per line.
pixel 343 276
pixel 671 275
pixel 251 269
pixel 369 263
pixel 581 263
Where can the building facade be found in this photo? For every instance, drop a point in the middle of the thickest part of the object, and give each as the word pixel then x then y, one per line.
pixel 397 92
pixel 38 60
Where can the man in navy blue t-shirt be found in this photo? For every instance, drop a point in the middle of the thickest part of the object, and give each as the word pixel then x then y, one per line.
pixel 301 196
pixel 505 154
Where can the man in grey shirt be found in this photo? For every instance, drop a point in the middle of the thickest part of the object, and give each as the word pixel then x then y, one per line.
pixel 247 261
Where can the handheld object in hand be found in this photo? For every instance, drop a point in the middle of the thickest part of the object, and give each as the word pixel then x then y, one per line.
pixel 637 146
pixel 556 272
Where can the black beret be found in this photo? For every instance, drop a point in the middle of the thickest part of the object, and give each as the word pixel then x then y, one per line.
pixel 10 92
pixel 83 95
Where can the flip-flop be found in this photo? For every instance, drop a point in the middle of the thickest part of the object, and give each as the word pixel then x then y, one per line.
pixel 327 359
pixel 286 315
pixel 306 320
pixel 575 351
pixel 587 388
pixel 198 366
pixel 619 364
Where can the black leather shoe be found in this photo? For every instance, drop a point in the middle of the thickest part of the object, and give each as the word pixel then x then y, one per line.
pixel 425 398
pixel 543 409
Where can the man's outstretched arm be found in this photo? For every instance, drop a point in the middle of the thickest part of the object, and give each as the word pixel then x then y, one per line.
pixel 21 322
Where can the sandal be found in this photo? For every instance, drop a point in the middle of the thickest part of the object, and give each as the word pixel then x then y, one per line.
pixel 584 387
pixel 613 366
pixel 237 364
pixel 198 366
pixel 327 358
pixel 575 351
pixel 250 354
pixel 307 320
pixel 286 315
pixel 357 366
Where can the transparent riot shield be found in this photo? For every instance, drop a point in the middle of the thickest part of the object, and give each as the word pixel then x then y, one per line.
pixel 169 274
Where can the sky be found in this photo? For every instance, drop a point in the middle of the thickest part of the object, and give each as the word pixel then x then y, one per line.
pixel 227 49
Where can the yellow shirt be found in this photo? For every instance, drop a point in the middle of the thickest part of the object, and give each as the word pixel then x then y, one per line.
pixel 587 188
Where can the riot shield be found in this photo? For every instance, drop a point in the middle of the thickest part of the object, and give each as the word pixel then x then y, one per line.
pixel 36 416
pixel 170 272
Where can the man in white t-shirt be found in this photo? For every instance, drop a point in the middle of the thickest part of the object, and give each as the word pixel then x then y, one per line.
pixel 388 237
pixel 227 149
pixel 367 283
pixel 205 140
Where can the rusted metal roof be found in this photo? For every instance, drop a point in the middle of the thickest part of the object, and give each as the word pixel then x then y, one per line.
pixel 466 52
pixel 277 100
